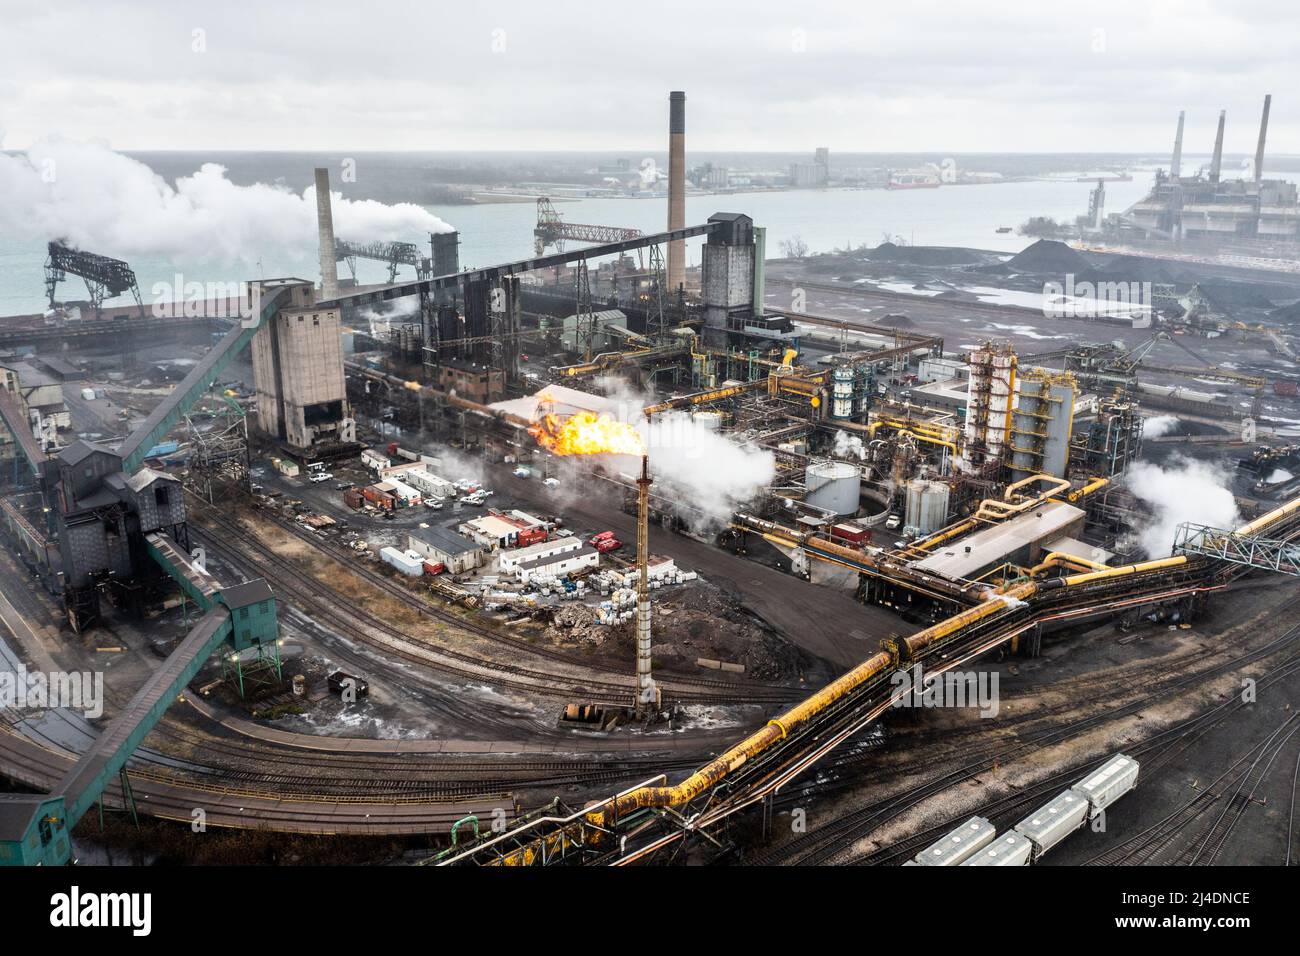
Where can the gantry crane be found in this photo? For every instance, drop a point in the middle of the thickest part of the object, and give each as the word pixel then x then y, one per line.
pixel 105 277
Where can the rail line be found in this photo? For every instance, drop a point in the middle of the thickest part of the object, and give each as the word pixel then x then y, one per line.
pixel 311 594
pixel 828 842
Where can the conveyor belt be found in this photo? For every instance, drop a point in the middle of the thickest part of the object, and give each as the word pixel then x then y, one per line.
pixel 200 586
pixel 16 422
pixel 84 783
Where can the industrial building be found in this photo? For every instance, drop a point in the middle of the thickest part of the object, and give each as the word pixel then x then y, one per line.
pixel 440 545
pixel 970 500
pixel 1207 209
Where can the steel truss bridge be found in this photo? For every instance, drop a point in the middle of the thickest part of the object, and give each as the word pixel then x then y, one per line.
pixel 1267 554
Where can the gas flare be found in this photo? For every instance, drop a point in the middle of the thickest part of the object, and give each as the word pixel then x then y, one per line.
pixel 587 433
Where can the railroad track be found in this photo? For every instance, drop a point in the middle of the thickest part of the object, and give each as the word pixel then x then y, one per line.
pixel 364 626
pixel 1205 846
pixel 829 841
pixel 428 609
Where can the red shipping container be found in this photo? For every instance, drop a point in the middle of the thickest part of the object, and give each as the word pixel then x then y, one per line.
pixel 434 568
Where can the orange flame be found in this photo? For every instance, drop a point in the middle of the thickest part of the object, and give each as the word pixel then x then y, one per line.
pixel 587 433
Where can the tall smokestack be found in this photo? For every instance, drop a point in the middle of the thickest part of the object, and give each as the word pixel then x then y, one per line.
pixel 1176 165
pixel 1216 162
pixel 676 188
pixel 1263 135
pixel 329 267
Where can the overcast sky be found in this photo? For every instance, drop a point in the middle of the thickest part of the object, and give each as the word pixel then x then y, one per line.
pixel 865 75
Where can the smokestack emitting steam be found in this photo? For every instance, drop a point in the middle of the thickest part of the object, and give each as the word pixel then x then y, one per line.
pixel 329 267
pixel 1176 165
pixel 676 265
pixel 1216 162
pixel 1263 135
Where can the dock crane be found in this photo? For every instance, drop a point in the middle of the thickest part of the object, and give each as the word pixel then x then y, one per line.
pixel 105 277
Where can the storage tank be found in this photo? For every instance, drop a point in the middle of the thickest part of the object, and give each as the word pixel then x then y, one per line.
pixel 927 505
pixel 710 420
pixel 833 486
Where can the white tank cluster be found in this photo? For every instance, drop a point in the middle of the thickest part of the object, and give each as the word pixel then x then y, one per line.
pixel 833 486
pixel 976 843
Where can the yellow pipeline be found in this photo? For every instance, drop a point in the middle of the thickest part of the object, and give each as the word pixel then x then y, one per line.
pixel 1058 559
pixel 1156 565
pixel 1274 516
pixel 794 719
pixel 1087 489
pixel 951 446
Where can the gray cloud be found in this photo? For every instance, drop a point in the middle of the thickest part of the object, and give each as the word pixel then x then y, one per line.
pixel 1101 75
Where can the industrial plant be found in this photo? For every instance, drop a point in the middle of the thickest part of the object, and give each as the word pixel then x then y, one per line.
pixel 652 546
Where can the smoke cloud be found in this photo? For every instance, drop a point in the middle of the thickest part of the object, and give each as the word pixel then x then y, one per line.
pixel 849 446
pixel 1158 426
pixel 690 462
pixel 104 202
pixel 705 469
pixel 1185 490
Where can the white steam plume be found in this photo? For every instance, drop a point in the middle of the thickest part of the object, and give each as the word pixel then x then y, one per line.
pixel 380 320
pixel 1157 426
pixel 704 468
pixel 691 462
pixel 847 446
pixel 105 202
pixel 1186 490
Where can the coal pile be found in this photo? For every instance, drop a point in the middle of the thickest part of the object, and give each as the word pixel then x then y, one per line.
pixel 1048 257
pixel 924 255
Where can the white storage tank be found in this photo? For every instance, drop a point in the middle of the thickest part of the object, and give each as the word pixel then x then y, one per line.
pixel 710 420
pixel 1108 783
pixel 956 847
pixel 927 505
pixel 1010 849
pixel 833 486
pixel 1053 822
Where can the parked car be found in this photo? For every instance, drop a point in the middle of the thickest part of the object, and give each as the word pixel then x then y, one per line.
pixel 321 476
pixel 522 472
pixel 892 522
pixel 551 482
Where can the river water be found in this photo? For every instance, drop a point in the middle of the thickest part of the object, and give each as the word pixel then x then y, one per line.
pixel 954 215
